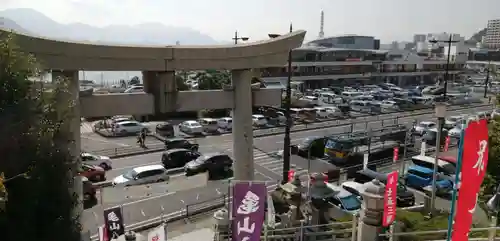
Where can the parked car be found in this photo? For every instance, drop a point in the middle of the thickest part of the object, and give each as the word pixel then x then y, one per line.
pixel 355 188
pixel 213 163
pixel 178 157
pixel 313 146
pixel 343 201
pixel 333 112
pixel 128 127
pixel 165 129
pixel 93 173
pixel 421 177
pixel 142 175
pixel 456 131
pixel 191 127
pixel 451 121
pixel 259 120
pixel 225 123
pixel 430 136
pixel 209 125
pixel 445 167
pixel 179 142
pixel 96 160
pixel 134 89
pixel 422 127
pixel 405 197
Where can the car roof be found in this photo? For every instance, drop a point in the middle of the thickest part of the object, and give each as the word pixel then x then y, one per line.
pixel 126 122
pixel 175 150
pixel 420 169
pixel 226 118
pixel 339 191
pixel 430 159
pixel 258 115
pixel 208 119
pixel 148 168
pixel 427 122
pixel 375 175
pixel 451 159
pixel 356 185
pixel 191 121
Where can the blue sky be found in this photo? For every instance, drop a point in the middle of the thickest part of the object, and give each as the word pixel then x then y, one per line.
pixel 386 19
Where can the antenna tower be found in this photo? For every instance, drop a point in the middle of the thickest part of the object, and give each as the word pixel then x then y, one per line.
pixel 322 25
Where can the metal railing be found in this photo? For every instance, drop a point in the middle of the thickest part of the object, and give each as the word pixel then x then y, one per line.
pixel 208 205
pixel 340 231
pixel 489 231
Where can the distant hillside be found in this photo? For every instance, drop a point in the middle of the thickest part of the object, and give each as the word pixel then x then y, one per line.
pixel 476 38
pixel 6 23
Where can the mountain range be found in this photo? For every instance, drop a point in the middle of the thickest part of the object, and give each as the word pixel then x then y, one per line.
pixel 31 22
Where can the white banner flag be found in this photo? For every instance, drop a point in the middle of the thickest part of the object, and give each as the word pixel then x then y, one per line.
pixel 158 234
pixel 422 149
pixel 365 161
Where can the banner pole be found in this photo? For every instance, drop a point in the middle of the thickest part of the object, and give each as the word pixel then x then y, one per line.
pixel 455 189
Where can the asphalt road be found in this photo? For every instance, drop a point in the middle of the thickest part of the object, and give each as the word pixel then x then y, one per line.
pixel 144 204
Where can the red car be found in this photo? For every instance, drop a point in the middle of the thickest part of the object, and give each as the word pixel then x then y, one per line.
pixel 93 173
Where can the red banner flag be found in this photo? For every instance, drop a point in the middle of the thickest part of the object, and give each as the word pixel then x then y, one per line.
pixel 390 198
pixel 474 162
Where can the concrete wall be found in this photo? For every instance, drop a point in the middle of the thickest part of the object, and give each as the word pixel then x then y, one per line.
pixel 117 104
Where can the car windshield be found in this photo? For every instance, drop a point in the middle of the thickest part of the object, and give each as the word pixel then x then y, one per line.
pixel 453 119
pixel 308 141
pixel 350 203
pixel 424 125
pixel 195 125
pixel 130 175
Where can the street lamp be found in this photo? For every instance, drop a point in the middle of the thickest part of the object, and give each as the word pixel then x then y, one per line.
pixel 440 114
pixel 449 41
pixel 486 82
pixel 236 38
pixel 288 103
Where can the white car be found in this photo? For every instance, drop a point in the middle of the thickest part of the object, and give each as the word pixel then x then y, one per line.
pixel 142 175
pixel 95 160
pixel 128 127
pixel 423 126
pixel 259 120
pixel 321 112
pixel 134 89
pixel 209 125
pixel 451 121
pixel 333 111
pixel 456 131
pixel 225 123
pixel 191 127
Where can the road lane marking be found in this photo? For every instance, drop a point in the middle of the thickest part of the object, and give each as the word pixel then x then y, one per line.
pixel 142 212
pixel 148 198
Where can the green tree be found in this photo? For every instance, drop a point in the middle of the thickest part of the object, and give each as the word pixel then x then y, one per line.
pixel 134 81
pixel 181 82
pixel 212 79
pixel 39 207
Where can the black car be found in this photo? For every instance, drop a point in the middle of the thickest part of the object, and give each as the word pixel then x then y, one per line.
pixel 405 198
pixel 165 129
pixel 214 163
pixel 178 157
pixel 311 147
pixel 174 143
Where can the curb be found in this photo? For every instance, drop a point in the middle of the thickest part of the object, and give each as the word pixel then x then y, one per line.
pixel 278 131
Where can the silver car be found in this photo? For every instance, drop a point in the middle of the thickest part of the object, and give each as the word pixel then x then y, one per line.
pixel 423 126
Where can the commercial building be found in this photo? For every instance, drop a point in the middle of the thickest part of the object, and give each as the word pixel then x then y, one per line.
pixel 419 38
pixel 492 38
pixel 317 66
pixel 348 42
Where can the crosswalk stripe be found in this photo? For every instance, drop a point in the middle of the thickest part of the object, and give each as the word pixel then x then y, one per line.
pixel 86 127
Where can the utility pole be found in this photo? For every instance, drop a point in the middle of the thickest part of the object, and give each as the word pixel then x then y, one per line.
pixel 289 122
pixel 236 38
pixel 447 69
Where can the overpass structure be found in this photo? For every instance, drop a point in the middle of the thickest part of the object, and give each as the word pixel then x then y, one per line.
pixel 158 65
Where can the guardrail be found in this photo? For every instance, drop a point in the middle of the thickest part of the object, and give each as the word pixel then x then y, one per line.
pixel 197 208
pixel 127 151
pixel 491 231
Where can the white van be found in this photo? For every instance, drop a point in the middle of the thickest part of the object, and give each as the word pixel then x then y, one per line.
pixel 208 124
pixel 225 123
